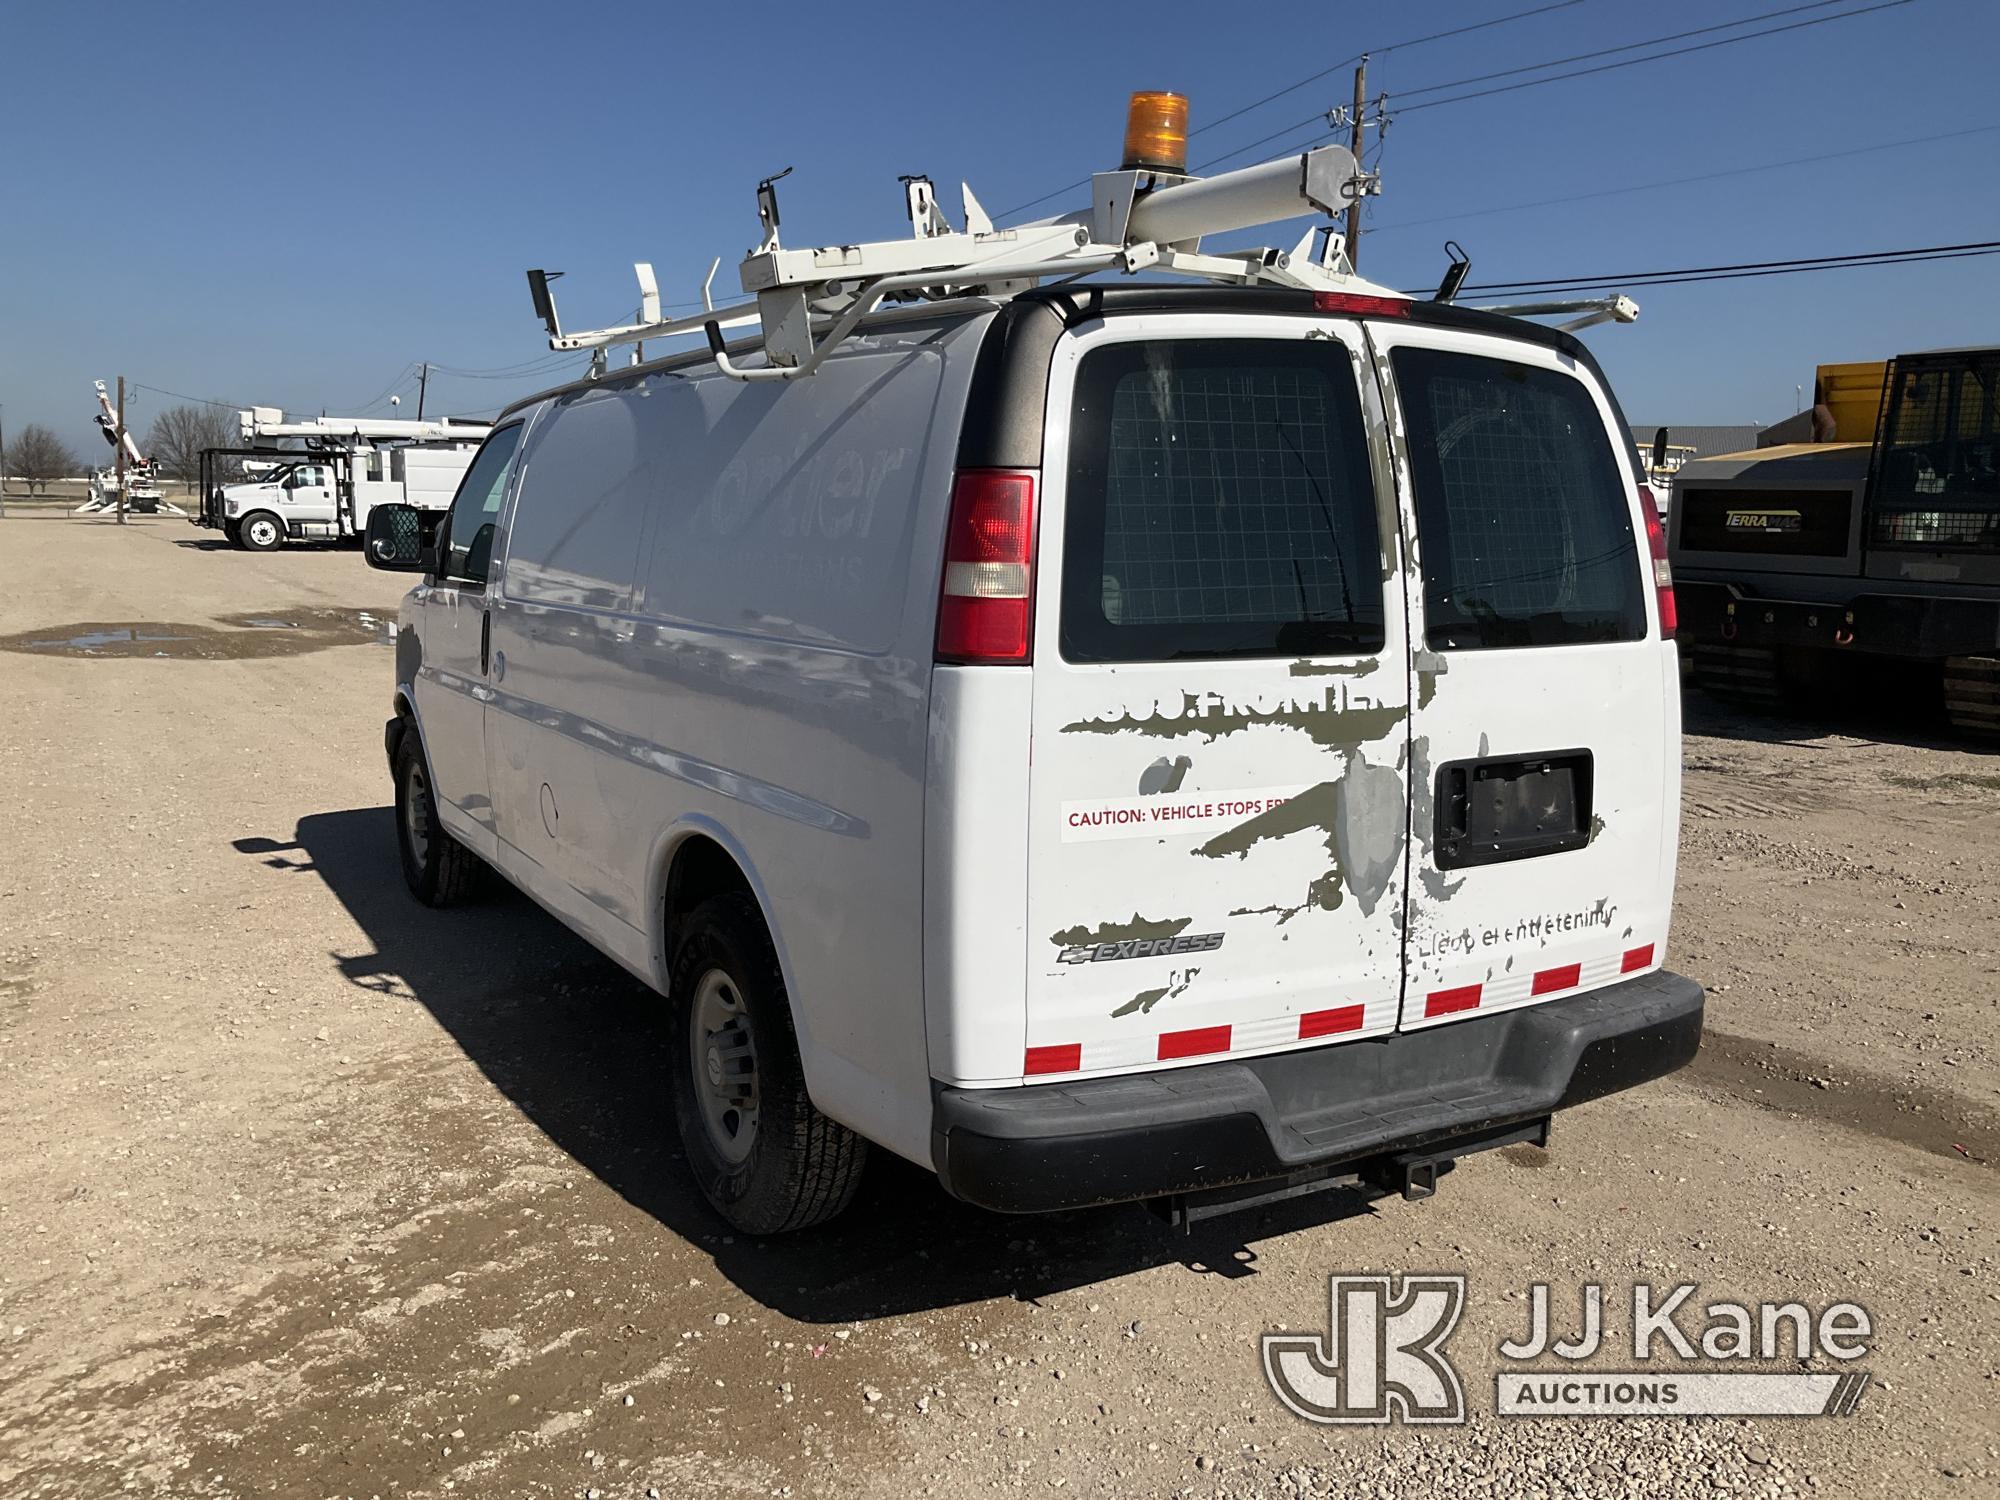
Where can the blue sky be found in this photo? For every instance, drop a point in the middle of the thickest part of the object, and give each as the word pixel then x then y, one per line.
pixel 290 205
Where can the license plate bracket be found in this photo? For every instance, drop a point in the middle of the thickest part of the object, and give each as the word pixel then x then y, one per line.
pixel 1502 808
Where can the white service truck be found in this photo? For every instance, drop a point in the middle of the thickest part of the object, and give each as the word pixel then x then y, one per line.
pixel 331 471
pixel 327 496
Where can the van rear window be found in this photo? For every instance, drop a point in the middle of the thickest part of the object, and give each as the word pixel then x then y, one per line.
pixel 1523 512
pixel 1219 504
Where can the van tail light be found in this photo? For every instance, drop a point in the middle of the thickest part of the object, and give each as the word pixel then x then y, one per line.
pixel 1663 572
pixel 985 612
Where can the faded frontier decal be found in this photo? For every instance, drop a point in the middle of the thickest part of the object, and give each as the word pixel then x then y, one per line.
pixel 1167 815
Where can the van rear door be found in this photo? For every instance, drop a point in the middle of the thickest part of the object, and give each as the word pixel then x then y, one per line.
pixel 1218 804
pixel 1545 727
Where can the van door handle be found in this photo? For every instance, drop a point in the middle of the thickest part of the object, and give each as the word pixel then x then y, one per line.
pixel 485 640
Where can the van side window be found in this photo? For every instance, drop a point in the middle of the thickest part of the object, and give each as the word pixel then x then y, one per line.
pixel 1220 504
pixel 1523 511
pixel 467 551
pixel 595 467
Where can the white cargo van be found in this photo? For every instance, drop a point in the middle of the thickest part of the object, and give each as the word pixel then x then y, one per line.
pixel 1100 743
pixel 1111 744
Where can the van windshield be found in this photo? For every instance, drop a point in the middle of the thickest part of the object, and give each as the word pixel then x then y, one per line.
pixel 1219 504
pixel 1523 512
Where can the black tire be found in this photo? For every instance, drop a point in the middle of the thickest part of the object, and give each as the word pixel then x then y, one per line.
pixel 1972 695
pixel 260 531
pixel 801 1168
pixel 442 872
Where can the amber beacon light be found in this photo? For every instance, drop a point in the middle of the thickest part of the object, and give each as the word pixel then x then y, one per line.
pixel 1156 132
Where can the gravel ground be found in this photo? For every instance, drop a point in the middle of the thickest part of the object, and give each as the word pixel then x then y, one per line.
pixel 317 1193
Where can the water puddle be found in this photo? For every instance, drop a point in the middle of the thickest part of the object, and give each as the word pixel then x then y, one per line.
pixel 231 638
pixel 97 640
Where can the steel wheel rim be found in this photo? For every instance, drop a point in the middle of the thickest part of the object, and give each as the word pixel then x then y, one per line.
pixel 417 815
pixel 262 532
pixel 723 1055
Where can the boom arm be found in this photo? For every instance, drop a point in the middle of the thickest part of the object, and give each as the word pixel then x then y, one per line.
pixel 107 419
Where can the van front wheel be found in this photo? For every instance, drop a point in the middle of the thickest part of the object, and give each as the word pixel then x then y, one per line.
pixel 761 1153
pixel 439 870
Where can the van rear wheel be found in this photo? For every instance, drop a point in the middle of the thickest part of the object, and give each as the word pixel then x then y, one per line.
pixel 439 870
pixel 760 1151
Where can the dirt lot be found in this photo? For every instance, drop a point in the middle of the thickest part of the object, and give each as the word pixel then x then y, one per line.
pixel 313 1192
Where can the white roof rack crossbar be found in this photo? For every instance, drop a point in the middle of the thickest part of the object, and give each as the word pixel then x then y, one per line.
pixel 809 300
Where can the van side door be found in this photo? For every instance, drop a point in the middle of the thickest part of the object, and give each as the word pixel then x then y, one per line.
pixel 1545 722
pixel 451 687
pixel 569 705
pixel 1217 802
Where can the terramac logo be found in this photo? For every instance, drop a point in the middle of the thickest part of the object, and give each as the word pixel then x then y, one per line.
pixel 1383 1357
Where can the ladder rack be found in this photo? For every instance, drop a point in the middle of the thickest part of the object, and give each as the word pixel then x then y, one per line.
pixel 1141 219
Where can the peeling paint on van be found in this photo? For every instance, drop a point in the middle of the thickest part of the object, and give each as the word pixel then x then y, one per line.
pixel 1430 666
pixel 1145 1000
pixel 1423 820
pixel 1369 831
pixel 1360 817
pixel 1163 775
pixel 1596 826
pixel 1334 720
pixel 1115 932
pixel 1438 885
pixel 1315 808
pixel 1305 666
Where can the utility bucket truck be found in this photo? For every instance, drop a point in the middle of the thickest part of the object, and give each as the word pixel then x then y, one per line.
pixel 318 479
pixel 1098 739
pixel 142 493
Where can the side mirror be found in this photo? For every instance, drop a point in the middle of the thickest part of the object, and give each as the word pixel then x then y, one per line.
pixel 401 538
pixel 1660 449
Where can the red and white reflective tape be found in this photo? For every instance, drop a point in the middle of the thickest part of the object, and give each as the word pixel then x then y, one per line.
pixel 1511 989
pixel 1127 1053
pixel 1437 1006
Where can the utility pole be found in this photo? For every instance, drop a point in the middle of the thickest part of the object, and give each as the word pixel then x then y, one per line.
pixel 1354 145
pixel 121 450
pixel 423 385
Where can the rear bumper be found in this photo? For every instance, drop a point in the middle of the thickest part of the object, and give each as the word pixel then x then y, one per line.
pixel 1927 626
pixel 1107 1140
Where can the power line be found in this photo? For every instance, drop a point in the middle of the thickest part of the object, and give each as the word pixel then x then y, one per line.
pixel 1633 62
pixel 1658 41
pixel 1345 63
pixel 197 400
pixel 396 383
pixel 1376 51
pixel 502 372
pixel 1857 265
pixel 1915 254
pixel 1699 177
pixel 1320 125
pixel 524 372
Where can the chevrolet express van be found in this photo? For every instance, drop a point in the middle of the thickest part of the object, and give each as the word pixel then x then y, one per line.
pixel 1178 743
